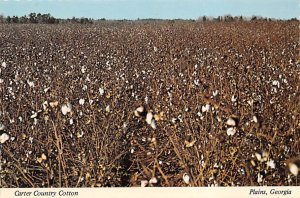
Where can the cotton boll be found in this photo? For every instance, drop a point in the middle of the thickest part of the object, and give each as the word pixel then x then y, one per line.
pixel 144 183
pixel 233 98
pixel 259 178
pixel 53 104
pixel 101 91
pixel 67 108
pixel 153 124
pixel 215 93
pixel 255 119
pixel 153 180
pixel 231 122
pixel 30 83
pixel 186 178
pixel 231 131
pixel 45 105
pixel 4 137
pixel 139 111
pixel 294 168
pixel 2 127
pixel 149 118
pixel 258 156
pixel 271 164
pixel 81 101
pixel 34 115
pixel 205 108
pixel 107 108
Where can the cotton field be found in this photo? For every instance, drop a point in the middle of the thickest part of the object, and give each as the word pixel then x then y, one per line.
pixel 161 103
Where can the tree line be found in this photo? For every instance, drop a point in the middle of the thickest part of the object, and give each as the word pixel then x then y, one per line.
pixel 39 18
pixel 229 18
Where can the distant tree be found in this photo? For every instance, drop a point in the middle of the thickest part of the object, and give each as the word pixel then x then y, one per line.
pixel 228 18
pixel 293 19
pixel 82 20
pixel 74 20
pixel 8 19
pixel 52 20
pixel 23 19
pixel 253 18
pixel 32 17
pixel 2 18
pixel 220 18
pixel 15 19
pixel 39 18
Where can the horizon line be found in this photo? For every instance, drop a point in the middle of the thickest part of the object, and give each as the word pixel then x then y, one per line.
pixel 152 18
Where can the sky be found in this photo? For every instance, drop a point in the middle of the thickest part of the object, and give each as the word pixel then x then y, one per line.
pixel 162 9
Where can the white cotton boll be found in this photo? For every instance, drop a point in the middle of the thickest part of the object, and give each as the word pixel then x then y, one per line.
pixel 271 164
pixel 199 114
pixel 250 102
pixel 53 104
pixel 231 131
pixel 233 98
pixel 3 64
pixel 132 150
pixel 294 169
pixel 255 119
pixel 205 108
pixel 4 137
pixel 101 91
pixel 30 83
pixel 186 178
pixel 45 105
pixel 81 101
pixel 149 117
pixel 71 121
pixel 153 180
pixel 83 69
pixel 2 127
pixel 144 183
pixel 80 135
pixel 34 115
pixel 231 122
pixel 66 108
pixel 276 83
pixel 138 111
pixel 84 88
pixel 215 93
pixel 153 124
pixel 259 178
pixel 1 80
pixel 258 156
pixel 107 109
pixel 46 89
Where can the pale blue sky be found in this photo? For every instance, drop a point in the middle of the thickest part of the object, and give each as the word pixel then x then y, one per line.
pixel 165 9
